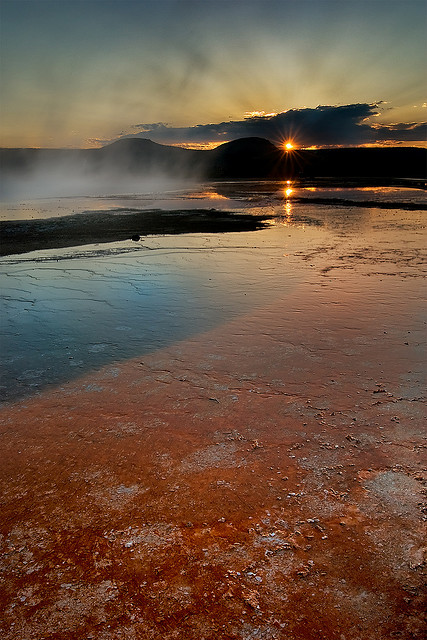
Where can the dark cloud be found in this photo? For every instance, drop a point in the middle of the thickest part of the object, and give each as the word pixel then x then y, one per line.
pixel 401 132
pixel 322 126
pixel 152 126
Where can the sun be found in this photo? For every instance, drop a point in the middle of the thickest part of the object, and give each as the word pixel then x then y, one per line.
pixel 289 146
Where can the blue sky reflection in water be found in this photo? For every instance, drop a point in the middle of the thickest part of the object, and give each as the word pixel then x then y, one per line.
pixel 68 311
pixel 64 317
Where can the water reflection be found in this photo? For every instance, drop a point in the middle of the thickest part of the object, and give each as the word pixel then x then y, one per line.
pixel 221 195
pixel 290 212
pixel 62 319
pixel 285 217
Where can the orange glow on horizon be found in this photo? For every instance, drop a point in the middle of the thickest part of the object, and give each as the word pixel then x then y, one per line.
pixel 197 146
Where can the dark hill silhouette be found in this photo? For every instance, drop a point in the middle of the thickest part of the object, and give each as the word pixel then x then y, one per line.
pixel 136 155
pixel 405 162
pixel 245 158
pixel 259 158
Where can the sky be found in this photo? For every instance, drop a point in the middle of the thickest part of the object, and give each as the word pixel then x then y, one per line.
pixel 83 73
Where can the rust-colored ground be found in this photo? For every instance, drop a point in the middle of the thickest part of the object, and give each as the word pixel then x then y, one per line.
pixel 260 481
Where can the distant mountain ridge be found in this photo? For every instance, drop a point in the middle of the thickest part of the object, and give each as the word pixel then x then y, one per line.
pixel 244 158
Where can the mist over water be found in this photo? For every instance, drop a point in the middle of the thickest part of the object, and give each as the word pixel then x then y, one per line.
pixel 73 179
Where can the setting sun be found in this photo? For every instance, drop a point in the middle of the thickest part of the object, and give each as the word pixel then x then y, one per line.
pixel 289 146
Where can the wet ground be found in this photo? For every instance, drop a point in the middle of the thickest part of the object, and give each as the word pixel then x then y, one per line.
pixel 257 470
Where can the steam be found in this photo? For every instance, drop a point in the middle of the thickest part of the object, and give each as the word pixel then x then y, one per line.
pixel 32 173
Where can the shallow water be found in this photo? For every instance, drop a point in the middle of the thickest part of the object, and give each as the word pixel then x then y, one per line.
pixel 222 195
pixel 73 313
pixel 68 311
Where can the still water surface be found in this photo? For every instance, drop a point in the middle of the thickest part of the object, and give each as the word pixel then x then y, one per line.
pixel 67 311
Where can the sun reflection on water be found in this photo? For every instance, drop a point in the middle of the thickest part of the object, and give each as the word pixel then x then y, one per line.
pixel 285 218
pixel 288 190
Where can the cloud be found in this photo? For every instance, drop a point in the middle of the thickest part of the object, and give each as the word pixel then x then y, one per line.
pixel 152 126
pixel 328 125
pixel 401 132
pixel 320 126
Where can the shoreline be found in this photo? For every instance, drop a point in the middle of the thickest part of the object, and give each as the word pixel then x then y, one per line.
pixel 113 225
pixel 120 224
